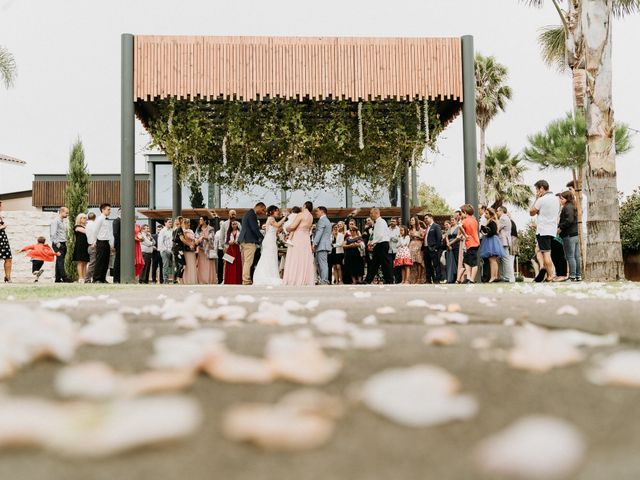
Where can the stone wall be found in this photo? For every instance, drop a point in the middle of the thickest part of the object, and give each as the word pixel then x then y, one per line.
pixel 23 228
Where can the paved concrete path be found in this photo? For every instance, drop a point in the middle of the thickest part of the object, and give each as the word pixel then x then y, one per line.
pixel 366 446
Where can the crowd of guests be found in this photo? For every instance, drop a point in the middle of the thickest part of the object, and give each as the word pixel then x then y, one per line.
pixel 349 251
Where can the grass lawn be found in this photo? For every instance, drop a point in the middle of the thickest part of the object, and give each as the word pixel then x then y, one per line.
pixel 53 290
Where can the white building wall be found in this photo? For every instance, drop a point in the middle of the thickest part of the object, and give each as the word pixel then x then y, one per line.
pixel 23 228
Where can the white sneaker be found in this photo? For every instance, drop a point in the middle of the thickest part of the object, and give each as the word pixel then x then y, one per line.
pixel 38 274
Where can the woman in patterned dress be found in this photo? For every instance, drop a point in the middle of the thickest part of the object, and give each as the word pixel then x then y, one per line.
pixel 416 234
pixel 5 249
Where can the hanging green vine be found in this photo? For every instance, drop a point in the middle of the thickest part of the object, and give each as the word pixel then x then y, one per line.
pixel 296 144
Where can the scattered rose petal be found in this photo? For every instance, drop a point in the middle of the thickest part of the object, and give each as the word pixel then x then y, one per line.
pixel 244 298
pixel 434 320
pixel 454 307
pixel 620 368
pixel 367 339
pixel 331 322
pixel 417 303
pixel 509 322
pixel 567 310
pixel 386 310
pixel 362 294
pixel 443 336
pixel 300 360
pixel 82 429
pixel 578 338
pixel 273 314
pixel 370 320
pixel 229 367
pixel 276 427
pixel 98 380
pixel 186 351
pixel 418 396
pixel 541 300
pixel 535 447
pixel 539 350
pixel 107 329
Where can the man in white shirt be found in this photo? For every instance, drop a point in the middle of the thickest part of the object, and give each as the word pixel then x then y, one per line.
pixel 224 226
pixel 165 247
pixel 379 246
pixel 394 231
pixel 104 244
pixel 90 229
pixel 547 207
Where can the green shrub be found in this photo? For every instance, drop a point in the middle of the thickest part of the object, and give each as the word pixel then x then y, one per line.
pixel 527 243
pixel 630 223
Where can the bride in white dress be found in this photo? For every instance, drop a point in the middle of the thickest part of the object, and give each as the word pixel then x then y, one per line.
pixel 267 271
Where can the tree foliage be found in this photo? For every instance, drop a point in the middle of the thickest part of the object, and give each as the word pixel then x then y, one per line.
pixel 196 199
pixel 76 196
pixel 563 143
pixel 8 69
pixel 431 201
pixel 527 244
pixel 294 144
pixel 504 179
pixel 492 91
pixel 630 223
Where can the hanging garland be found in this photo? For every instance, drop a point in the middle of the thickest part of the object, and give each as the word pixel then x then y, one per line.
pixel 308 144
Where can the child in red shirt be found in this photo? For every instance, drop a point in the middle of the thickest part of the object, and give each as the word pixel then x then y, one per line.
pixel 469 232
pixel 39 252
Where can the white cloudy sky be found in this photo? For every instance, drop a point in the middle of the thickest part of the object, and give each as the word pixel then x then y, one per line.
pixel 68 55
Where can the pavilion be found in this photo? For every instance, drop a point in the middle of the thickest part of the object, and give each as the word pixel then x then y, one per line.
pixel 216 69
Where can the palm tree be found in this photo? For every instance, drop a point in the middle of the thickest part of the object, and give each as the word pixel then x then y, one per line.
pixel 504 182
pixel 7 67
pixel 563 142
pixel 492 94
pixel 587 31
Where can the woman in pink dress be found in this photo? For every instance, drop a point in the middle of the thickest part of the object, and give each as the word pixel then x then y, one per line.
pixel 299 267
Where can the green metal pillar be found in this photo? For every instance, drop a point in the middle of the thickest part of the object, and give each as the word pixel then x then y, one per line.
pixel 404 194
pixel 414 185
pixel 127 159
pixel 176 200
pixel 469 123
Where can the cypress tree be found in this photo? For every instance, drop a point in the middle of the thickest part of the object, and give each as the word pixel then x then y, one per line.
pixel 76 197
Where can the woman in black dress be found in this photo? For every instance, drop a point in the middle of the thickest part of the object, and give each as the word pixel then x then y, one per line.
pixel 5 249
pixel 353 261
pixel 81 247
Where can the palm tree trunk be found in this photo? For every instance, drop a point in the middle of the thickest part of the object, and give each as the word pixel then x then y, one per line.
pixel 482 171
pixel 604 259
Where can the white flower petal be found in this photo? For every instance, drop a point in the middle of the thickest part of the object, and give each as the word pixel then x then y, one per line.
pixel 534 447
pixel 539 350
pixel 331 322
pixel 418 396
pixel 441 336
pixel 107 329
pixel 620 368
pixel 386 310
pixel 567 310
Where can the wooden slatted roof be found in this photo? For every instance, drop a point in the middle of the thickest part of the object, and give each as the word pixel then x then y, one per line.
pixel 252 68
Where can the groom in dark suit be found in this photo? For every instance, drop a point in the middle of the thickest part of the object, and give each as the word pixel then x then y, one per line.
pixel 432 250
pixel 249 239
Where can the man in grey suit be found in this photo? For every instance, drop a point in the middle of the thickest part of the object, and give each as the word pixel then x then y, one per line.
pixel 322 244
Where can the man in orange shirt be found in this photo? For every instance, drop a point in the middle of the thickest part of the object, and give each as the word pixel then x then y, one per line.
pixel 469 232
pixel 39 252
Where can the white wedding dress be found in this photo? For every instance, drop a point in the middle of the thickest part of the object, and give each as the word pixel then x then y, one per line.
pixel 267 271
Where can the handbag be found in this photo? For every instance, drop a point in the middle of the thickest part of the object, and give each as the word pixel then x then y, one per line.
pixel 228 258
pixel 213 254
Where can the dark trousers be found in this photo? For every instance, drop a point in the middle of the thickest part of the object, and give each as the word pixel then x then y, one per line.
pixel 115 271
pixel 220 266
pixel 397 272
pixel 144 275
pixel 60 276
pixel 36 265
pixel 432 264
pixel 103 252
pixel 156 267
pixel 380 259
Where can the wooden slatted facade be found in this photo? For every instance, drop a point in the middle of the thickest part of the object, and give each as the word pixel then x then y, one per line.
pixel 50 193
pixel 251 68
